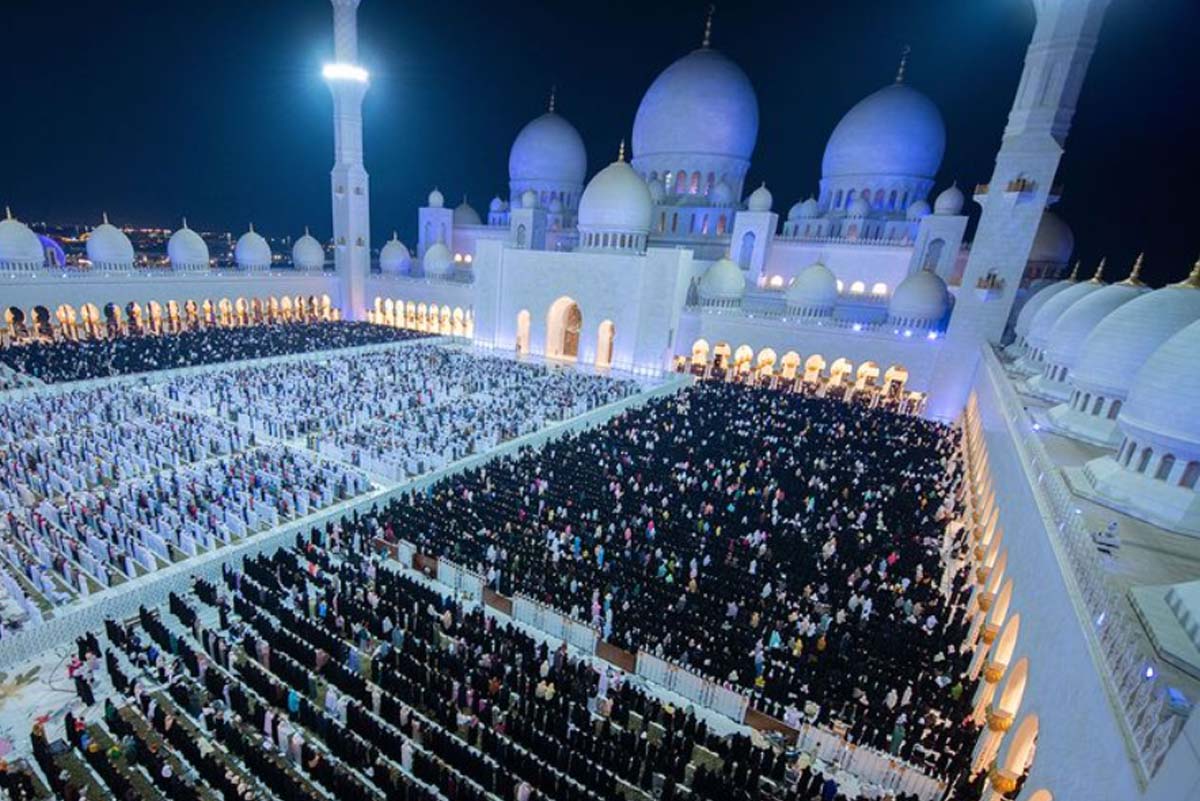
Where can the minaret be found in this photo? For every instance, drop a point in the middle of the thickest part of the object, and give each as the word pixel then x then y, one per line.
pixel 348 180
pixel 1055 64
pixel 1056 61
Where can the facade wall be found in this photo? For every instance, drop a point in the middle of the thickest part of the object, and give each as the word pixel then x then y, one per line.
pixel 850 262
pixel 1081 751
pixel 51 290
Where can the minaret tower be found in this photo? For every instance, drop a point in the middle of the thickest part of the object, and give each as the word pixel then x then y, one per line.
pixel 351 187
pixel 1055 64
pixel 1056 61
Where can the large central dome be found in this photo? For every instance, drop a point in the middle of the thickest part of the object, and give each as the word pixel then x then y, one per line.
pixel 699 116
pixel 890 141
pixel 549 159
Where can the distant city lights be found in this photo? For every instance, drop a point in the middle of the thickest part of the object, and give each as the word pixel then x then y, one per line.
pixel 344 72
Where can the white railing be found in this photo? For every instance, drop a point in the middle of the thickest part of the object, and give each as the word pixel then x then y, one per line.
pixel 1127 666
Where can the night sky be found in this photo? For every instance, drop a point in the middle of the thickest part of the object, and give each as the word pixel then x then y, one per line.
pixel 215 109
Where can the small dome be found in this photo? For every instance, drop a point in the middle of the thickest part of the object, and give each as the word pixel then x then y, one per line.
pixel 108 246
pixel 252 251
pixel 1039 299
pixel 307 253
pixel 894 132
pixel 804 210
pixel 438 262
pixel 722 194
pixel 920 299
pixel 556 205
pixel 949 202
pixel 548 150
pixel 657 190
pixel 916 210
pixel 394 257
pixel 19 246
pixel 723 281
pixel 703 104
pixel 1161 404
pixel 1053 241
pixel 465 214
pixel 1071 331
pixel 760 199
pixel 436 199
pixel 859 208
pixel 496 205
pixel 1125 339
pixel 529 199
pixel 815 287
pixel 1054 308
pixel 616 199
pixel 186 250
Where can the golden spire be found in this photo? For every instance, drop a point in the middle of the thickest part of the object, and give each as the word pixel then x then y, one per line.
pixel 8 213
pixel 553 92
pixel 1098 278
pixel 621 151
pixel 712 9
pixel 1193 279
pixel 903 63
pixel 1074 276
pixel 104 217
pixel 1133 279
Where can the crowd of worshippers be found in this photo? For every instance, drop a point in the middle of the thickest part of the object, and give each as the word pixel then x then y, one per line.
pixel 75 360
pixel 791 546
pixel 68 546
pixel 402 412
pixel 321 666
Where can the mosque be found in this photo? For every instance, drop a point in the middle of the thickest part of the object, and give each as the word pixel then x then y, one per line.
pixel 674 258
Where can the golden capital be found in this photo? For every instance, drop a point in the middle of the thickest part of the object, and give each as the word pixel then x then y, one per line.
pixel 998 722
pixel 1002 781
pixel 990 633
pixel 985 600
pixel 981 575
pixel 993 672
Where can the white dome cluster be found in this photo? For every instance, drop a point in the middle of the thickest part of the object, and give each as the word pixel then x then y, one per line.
pixel 615 209
pixel 722 283
pixel 437 262
pixel 186 250
pixel 108 248
pixel 20 248
pixel 394 257
pixel 813 292
pixel 307 253
pixel 252 251
pixel 919 301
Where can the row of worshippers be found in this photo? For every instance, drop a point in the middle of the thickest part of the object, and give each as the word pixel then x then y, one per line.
pixel 402 412
pixel 140 525
pixel 794 547
pixel 491 680
pixel 75 360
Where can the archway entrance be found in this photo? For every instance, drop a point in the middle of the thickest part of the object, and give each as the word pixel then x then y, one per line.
pixel 604 344
pixel 563 324
pixel 523 331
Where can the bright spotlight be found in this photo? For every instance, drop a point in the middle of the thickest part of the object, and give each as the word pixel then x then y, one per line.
pixel 344 72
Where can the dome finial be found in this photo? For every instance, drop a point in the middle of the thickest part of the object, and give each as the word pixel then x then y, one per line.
pixel 621 151
pixel 104 217
pixel 1098 278
pixel 1133 279
pixel 553 92
pixel 1193 279
pixel 8 213
pixel 712 9
pixel 395 236
pixel 1074 276
pixel 251 227
pixel 903 63
pixel 185 222
pixel 306 231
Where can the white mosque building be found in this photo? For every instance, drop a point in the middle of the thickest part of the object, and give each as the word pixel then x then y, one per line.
pixel 677 256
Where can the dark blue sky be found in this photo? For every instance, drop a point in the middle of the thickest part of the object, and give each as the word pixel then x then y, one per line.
pixel 215 109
